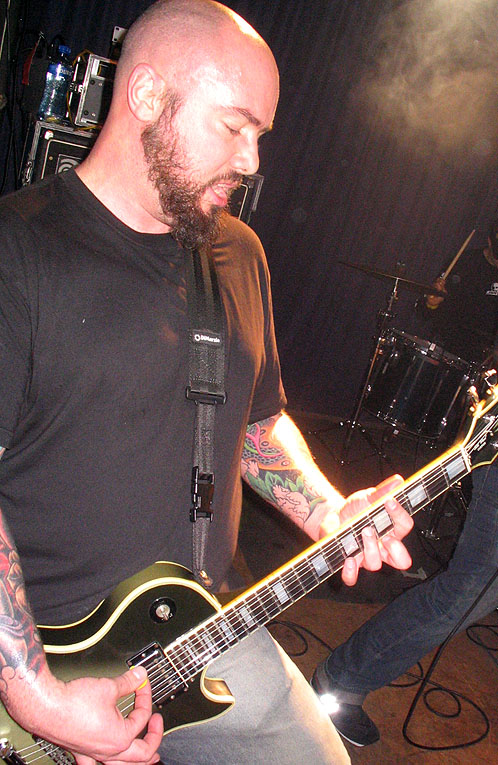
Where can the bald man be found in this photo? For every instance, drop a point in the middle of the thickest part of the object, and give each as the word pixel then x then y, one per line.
pixel 95 429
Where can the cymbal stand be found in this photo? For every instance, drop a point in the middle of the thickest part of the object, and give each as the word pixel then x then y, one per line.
pixel 383 320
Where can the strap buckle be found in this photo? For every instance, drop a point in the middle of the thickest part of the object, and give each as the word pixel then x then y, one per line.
pixel 204 397
pixel 202 487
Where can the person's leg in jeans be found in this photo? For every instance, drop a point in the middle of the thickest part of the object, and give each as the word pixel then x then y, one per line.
pixel 422 617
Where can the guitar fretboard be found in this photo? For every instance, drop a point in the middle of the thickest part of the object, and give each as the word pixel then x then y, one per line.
pixel 190 653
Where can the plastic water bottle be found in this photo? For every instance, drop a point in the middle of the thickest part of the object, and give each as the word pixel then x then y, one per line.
pixel 59 76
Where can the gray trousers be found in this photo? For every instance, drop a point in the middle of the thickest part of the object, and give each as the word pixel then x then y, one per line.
pixel 276 717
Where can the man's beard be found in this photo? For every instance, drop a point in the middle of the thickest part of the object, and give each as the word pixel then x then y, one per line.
pixel 179 198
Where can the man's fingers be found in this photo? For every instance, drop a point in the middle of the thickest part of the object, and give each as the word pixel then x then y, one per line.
pixel 350 572
pixel 130 681
pixel 377 551
pixel 372 559
pixel 385 487
pixel 143 750
pixel 140 750
pixel 136 680
pixel 403 523
pixel 83 759
pixel 395 553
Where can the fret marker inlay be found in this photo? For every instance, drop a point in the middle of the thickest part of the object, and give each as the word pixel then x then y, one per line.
pixel 417 495
pixel 349 544
pixel 226 631
pixel 320 565
pixel 455 467
pixel 382 521
pixel 280 592
pixel 247 617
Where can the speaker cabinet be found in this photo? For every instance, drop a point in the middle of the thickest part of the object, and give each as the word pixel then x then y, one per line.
pixel 51 148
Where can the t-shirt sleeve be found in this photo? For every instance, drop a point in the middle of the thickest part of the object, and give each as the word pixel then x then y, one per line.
pixel 269 395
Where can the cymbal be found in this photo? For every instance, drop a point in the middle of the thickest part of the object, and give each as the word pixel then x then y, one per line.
pixel 423 289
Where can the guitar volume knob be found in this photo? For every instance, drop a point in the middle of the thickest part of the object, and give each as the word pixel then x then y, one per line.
pixel 162 610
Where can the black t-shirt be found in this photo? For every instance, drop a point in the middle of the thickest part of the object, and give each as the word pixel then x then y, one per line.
pixel 95 479
pixel 466 323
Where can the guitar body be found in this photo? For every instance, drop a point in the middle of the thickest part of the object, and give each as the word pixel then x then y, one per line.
pixel 122 626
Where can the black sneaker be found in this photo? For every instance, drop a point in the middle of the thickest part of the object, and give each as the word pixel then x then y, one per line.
pixel 350 720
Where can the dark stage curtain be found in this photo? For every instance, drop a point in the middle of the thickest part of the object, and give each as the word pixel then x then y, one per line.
pixel 384 150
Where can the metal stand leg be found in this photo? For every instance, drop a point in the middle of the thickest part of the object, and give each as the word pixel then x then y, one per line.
pixel 384 317
pixel 455 495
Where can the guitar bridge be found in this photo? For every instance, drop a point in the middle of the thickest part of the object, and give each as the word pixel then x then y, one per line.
pixel 9 754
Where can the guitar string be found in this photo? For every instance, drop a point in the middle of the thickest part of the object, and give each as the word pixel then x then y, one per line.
pixel 28 758
pixel 268 603
pixel 334 548
pixel 301 572
pixel 33 756
pixel 35 749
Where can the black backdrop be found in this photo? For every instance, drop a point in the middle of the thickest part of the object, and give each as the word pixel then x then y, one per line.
pixel 385 149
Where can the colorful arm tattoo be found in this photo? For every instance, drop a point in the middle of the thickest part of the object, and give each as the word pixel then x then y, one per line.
pixel 273 474
pixel 21 652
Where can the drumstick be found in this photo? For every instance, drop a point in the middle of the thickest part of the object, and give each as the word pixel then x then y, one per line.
pixel 445 274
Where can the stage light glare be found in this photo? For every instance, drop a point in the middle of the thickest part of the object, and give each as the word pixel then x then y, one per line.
pixel 329 702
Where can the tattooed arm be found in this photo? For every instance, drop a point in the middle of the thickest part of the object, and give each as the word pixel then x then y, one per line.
pixel 277 464
pixel 81 716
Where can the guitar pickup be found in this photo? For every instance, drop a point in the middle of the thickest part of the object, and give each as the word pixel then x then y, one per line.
pixel 148 657
pixel 152 657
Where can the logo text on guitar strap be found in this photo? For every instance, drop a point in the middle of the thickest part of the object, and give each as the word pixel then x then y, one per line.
pixel 207 338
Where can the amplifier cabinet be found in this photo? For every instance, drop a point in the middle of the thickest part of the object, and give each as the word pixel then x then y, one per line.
pixel 52 148
pixel 91 91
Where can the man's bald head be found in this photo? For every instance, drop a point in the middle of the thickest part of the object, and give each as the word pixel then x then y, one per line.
pixel 177 37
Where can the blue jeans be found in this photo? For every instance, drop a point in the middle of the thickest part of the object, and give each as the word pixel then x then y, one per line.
pixel 422 617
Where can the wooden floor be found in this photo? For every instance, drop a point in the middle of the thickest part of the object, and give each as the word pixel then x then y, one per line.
pixel 463 668
pixel 333 612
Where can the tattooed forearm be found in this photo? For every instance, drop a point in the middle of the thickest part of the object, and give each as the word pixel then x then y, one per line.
pixel 21 652
pixel 275 474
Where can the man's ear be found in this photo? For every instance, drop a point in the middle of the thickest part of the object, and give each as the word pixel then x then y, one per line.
pixel 145 90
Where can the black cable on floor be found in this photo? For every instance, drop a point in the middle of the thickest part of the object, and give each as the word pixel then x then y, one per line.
pixel 301 632
pixel 492 629
pixel 423 693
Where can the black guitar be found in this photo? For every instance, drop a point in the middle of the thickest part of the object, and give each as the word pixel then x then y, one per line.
pixel 161 618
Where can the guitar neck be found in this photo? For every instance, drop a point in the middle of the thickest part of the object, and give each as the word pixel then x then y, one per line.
pixel 190 653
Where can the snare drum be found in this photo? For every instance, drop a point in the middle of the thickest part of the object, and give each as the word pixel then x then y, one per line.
pixel 416 386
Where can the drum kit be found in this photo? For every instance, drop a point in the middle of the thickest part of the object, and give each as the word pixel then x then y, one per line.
pixel 412 384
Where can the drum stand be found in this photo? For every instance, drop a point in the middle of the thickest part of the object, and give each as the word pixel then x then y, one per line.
pixel 454 495
pixel 383 320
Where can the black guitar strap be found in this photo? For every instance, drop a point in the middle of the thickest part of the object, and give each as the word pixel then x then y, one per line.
pixel 206 388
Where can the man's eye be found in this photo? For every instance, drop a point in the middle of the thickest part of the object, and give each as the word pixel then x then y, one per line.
pixel 231 130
